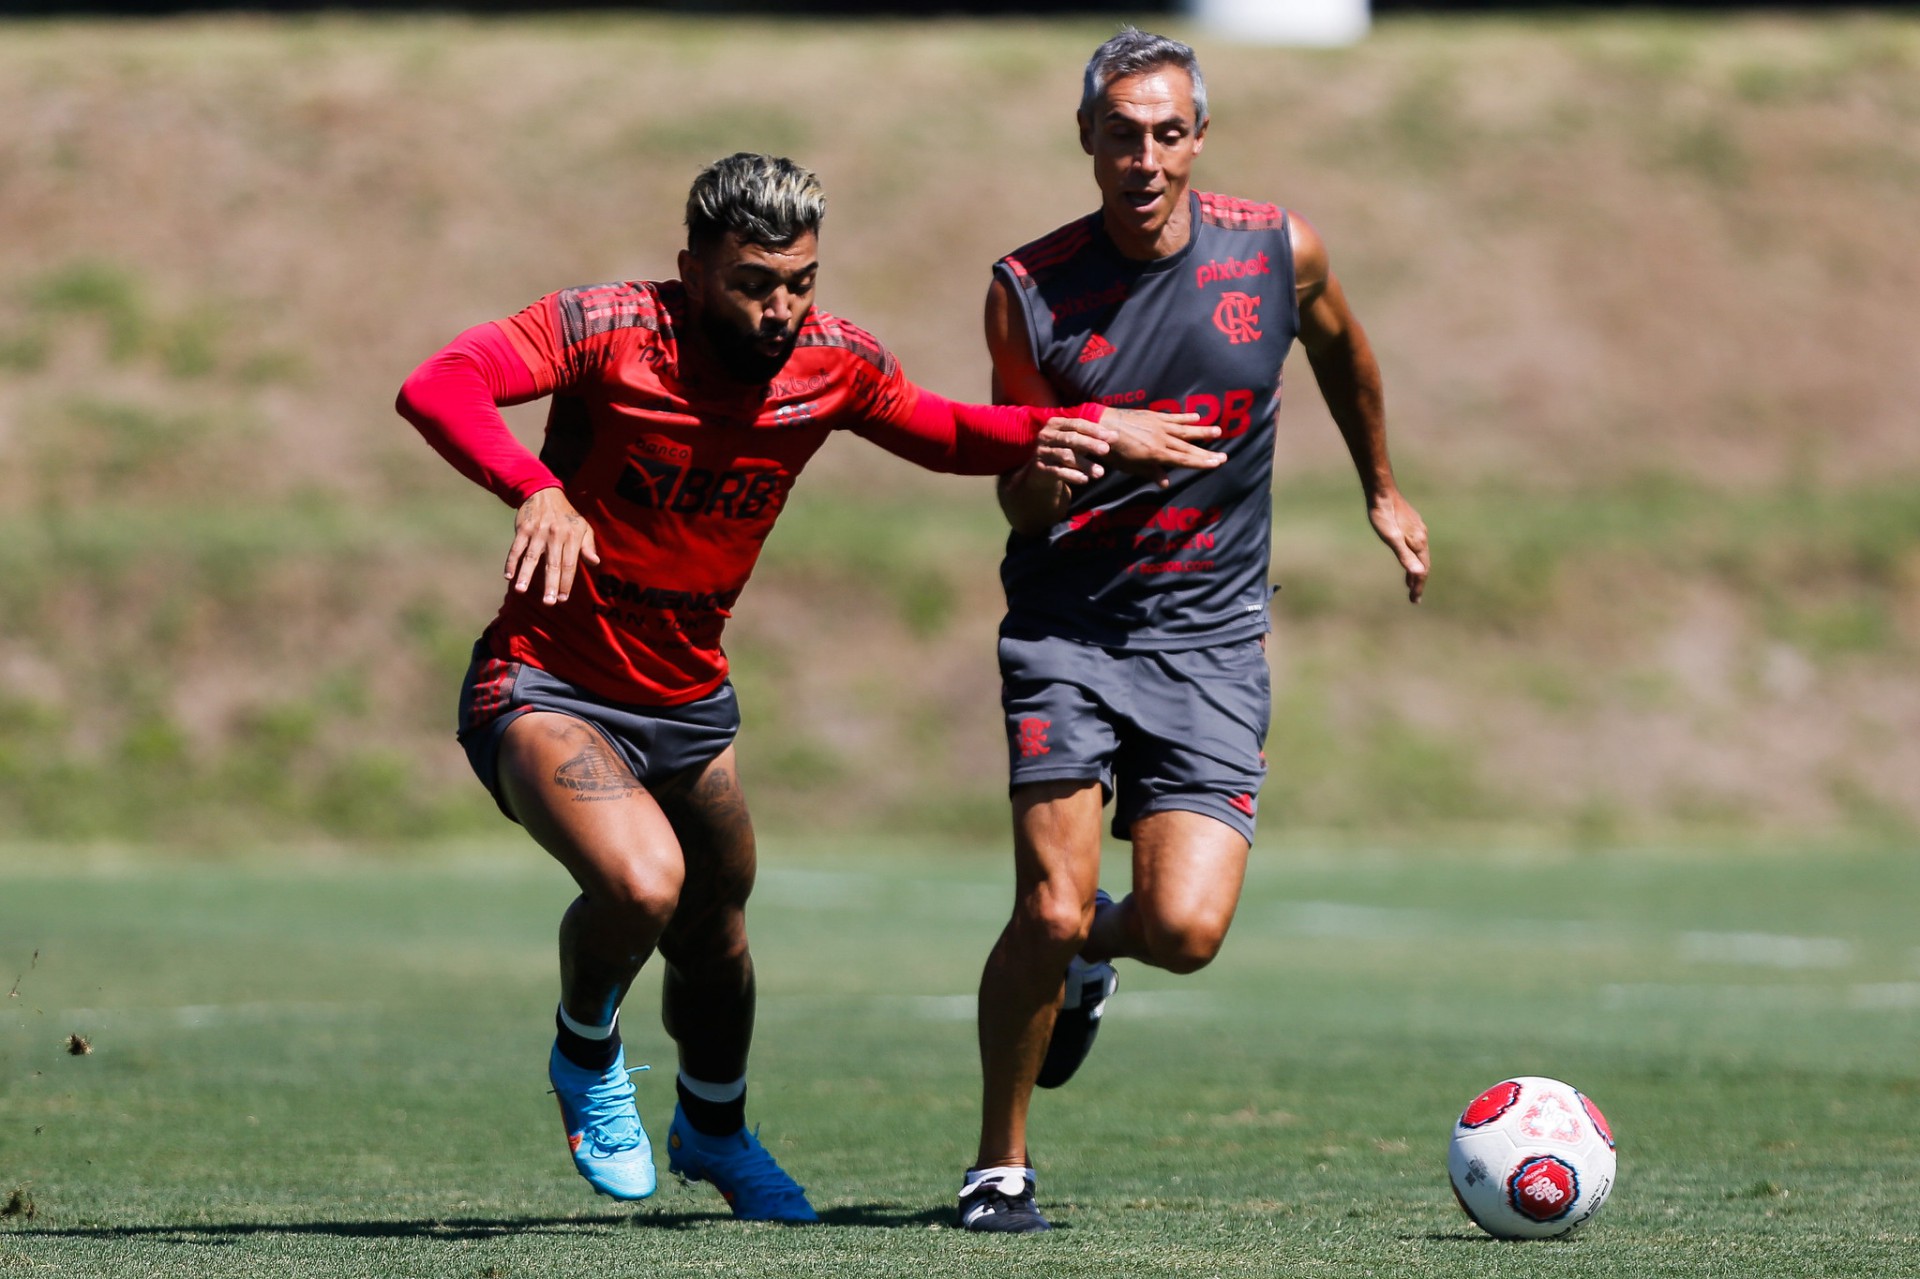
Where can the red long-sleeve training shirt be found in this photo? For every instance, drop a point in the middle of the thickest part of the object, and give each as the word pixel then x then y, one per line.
pixel 679 469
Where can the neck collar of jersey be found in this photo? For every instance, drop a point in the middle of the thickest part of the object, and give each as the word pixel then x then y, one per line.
pixel 1148 266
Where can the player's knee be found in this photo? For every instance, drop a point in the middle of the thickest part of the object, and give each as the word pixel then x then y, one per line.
pixel 1183 945
pixel 1055 918
pixel 639 901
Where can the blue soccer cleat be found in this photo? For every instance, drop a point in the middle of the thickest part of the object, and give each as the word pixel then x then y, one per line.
pixel 609 1146
pixel 740 1168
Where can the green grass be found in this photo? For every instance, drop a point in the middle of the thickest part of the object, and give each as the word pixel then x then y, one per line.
pixel 331 1068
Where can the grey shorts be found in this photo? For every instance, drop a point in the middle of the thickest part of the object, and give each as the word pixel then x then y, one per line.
pixel 1182 730
pixel 655 741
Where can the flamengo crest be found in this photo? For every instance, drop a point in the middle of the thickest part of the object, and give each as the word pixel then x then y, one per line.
pixel 1238 316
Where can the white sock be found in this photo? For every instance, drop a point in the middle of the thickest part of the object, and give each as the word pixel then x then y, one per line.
pixel 1012 1177
pixel 589 1032
pixel 718 1094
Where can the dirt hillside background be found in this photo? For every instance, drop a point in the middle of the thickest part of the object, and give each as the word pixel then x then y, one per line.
pixel 1647 293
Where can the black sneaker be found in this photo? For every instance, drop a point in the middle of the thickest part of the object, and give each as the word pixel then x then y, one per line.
pixel 1001 1202
pixel 1078 1021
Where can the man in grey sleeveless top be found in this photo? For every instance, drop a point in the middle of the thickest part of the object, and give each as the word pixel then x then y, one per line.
pixel 1133 651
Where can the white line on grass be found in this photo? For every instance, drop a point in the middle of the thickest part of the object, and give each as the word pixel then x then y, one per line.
pixel 1139 1003
pixel 1765 950
pixel 1895 996
pixel 202 1016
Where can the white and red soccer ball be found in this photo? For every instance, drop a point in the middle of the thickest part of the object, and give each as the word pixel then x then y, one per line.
pixel 1531 1158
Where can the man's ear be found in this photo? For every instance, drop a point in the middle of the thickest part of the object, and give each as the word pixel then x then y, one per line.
pixel 690 274
pixel 1200 134
pixel 1086 131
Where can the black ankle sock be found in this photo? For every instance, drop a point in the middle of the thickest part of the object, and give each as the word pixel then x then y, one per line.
pixel 588 1054
pixel 714 1118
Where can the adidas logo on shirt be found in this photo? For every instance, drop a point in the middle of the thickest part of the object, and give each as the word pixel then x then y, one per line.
pixel 1097 348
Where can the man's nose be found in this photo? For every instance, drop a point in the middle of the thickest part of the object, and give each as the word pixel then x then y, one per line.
pixel 779 307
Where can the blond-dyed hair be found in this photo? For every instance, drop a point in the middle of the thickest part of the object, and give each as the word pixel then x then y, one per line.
pixel 764 199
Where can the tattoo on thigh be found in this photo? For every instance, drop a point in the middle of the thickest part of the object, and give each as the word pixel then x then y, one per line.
pixel 594 774
pixel 720 796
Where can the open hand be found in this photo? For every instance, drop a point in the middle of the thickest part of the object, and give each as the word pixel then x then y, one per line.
pixel 1405 534
pixel 1146 443
pixel 547 528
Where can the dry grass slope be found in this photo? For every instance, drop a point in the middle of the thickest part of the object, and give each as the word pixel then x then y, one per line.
pixel 1644 289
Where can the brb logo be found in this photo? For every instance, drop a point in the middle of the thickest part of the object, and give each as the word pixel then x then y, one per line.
pixel 1238 316
pixel 1543 1188
pixel 1033 737
pixel 665 485
pixel 1231 412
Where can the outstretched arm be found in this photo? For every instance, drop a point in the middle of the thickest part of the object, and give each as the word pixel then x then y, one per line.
pixel 1349 379
pixel 975 439
pixel 453 400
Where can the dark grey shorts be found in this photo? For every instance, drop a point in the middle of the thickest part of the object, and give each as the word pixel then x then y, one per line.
pixel 1178 730
pixel 655 741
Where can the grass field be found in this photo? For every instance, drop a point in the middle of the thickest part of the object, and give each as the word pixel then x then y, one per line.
pixel 332 1068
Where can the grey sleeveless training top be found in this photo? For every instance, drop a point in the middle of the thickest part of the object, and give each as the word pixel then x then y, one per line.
pixel 1204 330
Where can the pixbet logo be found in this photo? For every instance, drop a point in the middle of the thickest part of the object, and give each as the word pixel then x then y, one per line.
pixel 1238 316
pixel 1231 269
pixel 1543 1188
pixel 1112 295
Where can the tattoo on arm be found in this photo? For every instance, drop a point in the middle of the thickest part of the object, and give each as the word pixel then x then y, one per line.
pixel 594 774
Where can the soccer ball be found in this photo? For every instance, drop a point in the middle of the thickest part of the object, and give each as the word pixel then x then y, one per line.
pixel 1531 1158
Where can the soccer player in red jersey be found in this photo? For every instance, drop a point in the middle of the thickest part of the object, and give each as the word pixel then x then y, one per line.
pixel 597 708
pixel 1132 656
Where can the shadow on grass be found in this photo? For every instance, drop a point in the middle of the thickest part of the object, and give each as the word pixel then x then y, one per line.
pixel 863 1216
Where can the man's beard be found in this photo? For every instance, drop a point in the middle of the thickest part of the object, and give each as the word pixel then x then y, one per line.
pixel 740 354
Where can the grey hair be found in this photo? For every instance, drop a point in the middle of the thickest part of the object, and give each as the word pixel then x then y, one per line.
pixel 1133 52
pixel 764 199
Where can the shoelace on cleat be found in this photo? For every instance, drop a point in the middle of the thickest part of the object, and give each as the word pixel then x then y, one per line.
pixel 607 1112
